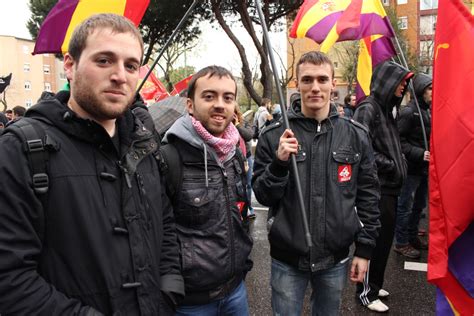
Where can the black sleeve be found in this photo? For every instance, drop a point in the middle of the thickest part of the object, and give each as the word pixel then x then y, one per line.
pixel 405 127
pixel 270 175
pixel 23 290
pixel 245 130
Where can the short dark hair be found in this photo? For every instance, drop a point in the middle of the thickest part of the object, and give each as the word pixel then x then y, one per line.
pixel 265 102
pixel 347 99
pixel 315 58
pixel 8 111
pixel 117 23
pixel 210 71
pixel 19 110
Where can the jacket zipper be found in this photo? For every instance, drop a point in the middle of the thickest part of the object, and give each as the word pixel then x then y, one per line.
pixel 229 222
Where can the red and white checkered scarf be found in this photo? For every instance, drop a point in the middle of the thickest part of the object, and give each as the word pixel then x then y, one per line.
pixel 222 145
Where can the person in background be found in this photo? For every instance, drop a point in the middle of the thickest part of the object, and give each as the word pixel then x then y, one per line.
pixel 349 105
pixel 336 166
pixel 18 112
pixel 3 121
pixel 414 191
pixel 101 240
pixel 340 109
pixel 9 114
pixel 379 113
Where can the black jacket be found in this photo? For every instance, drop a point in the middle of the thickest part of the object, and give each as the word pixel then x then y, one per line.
pixel 214 241
pixel 411 133
pixel 376 113
pixel 104 238
pixel 340 188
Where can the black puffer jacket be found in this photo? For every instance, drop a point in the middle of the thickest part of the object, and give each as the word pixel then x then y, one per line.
pixel 214 241
pixel 340 188
pixel 376 113
pixel 103 240
pixel 411 133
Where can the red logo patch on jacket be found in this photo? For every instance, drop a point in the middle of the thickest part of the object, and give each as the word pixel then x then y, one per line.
pixel 344 173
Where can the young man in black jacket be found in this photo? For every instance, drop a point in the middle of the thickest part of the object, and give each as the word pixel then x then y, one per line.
pixel 379 113
pixel 340 188
pixel 414 191
pixel 209 204
pixel 102 239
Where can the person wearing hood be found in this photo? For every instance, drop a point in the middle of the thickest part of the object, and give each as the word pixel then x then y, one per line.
pixel 336 166
pixel 210 202
pixel 379 112
pixel 414 191
pixel 97 238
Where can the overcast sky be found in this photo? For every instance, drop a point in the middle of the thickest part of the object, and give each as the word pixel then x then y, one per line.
pixel 210 50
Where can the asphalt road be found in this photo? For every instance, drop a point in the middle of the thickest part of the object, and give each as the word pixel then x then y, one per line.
pixel 410 293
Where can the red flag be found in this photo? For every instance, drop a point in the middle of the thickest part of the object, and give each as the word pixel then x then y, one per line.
pixel 153 89
pixel 181 85
pixel 452 150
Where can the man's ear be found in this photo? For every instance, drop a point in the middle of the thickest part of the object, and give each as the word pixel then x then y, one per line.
pixel 69 64
pixel 189 106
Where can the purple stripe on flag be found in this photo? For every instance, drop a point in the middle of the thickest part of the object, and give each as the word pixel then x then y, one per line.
pixel 382 49
pixel 54 28
pixel 360 95
pixel 320 30
pixel 442 306
pixel 461 259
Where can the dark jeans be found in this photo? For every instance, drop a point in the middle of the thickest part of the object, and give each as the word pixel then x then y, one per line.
pixel 373 281
pixel 411 203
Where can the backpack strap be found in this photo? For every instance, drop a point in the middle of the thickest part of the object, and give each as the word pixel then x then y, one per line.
pixel 171 166
pixel 37 148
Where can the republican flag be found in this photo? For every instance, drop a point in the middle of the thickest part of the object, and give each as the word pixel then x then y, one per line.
pixel 451 239
pixel 181 85
pixel 372 51
pixel 330 21
pixel 56 30
pixel 153 89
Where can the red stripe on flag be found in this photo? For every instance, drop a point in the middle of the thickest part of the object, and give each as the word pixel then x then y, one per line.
pixel 135 9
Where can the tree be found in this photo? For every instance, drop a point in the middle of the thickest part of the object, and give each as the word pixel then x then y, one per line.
pixel 173 76
pixel 246 11
pixel 347 53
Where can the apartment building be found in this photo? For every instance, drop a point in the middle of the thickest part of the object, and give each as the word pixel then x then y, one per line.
pixel 31 74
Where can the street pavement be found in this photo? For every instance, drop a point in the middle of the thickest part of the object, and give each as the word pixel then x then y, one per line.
pixel 410 293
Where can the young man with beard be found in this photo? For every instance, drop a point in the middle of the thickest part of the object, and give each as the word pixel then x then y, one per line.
pixel 213 239
pixel 379 113
pixel 340 190
pixel 99 237
pixel 414 191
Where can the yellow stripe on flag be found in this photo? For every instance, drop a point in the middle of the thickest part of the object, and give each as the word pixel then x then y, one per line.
pixel 330 39
pixel 318 12
pixel 364 67
pixel 86 8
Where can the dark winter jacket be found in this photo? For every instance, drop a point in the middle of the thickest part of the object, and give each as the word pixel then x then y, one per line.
pixel 102 238
pixel 340 188
pixel 213 239
pixel 411 133
pixel 376 113
pixel 246 132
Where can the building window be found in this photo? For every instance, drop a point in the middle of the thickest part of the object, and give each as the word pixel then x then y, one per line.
pixel 427 24
pixel 402 1
pixel 62 76
pixel 47 86
pixel 403 23
pixel 428 4
pixel 426 50
pixel 26 50
pixel 27 85
pixel 26 67
pixel 46 69
pixel 28 103
pixel 386 2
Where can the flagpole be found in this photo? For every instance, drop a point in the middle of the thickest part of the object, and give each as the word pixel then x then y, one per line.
pixel 412 90
pixel 165 46
pixel 294 167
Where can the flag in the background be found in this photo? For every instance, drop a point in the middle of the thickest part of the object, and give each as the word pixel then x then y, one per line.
pixel 5 82
pixel 181 85
pixel 451 239
pixel 333 21
pixel 153 89
pixel 372 51
pixel 57 28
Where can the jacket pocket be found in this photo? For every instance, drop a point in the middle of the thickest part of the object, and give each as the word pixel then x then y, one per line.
pixel 195 209
pixel 344 170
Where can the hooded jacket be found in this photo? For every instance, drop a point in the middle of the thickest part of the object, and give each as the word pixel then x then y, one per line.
pixel 102 238
pixel 409 126
pixel 379 113
pixel 340 189
pixel 213 239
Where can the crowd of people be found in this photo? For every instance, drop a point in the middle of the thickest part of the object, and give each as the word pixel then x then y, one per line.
pixel 100 216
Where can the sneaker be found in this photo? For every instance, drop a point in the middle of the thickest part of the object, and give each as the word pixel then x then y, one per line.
pixel 377 306
pixel 419 244
pixel 407 251
pixel 252 216
pixel 383 293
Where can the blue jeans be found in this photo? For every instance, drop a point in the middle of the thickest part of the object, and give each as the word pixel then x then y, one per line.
pixel 289 286
pixel 234 304
pixel 411 202
pixel 249 184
